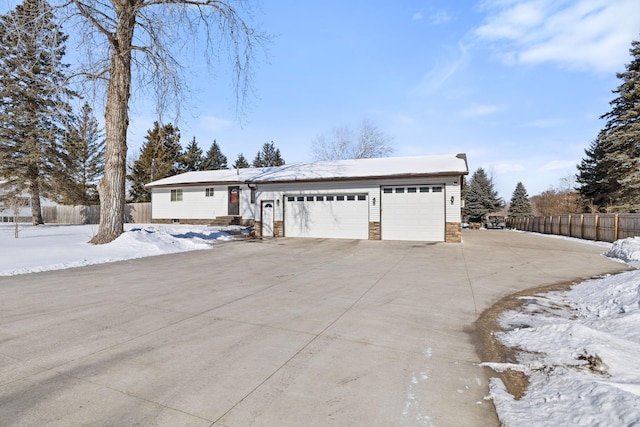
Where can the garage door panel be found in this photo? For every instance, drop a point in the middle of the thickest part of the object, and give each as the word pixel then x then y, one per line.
pixel 322 218
pixel 413 213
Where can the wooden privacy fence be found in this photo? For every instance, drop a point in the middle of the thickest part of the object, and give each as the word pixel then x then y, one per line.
pixel 603 227
pixel 138 213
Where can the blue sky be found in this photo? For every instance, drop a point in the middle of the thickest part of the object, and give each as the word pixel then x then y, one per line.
pixel 518 86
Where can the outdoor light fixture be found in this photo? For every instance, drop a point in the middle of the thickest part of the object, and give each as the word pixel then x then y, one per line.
pixel 452 199
pixel 374 201
pixel 278 202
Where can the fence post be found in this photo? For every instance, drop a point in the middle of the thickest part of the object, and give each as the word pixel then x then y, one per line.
pixel 615 227
pixel 582 226
pixel 596 224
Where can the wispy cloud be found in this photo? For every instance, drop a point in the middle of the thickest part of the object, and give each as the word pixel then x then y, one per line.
pixel 558 165
pixel 439 17
pixel 579 34
pixel 213 123
pixel 442 72
pixel 544 123
pixel 480 110
pixel 507 167
pixel 418 16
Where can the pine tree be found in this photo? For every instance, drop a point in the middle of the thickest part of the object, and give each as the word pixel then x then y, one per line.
pixel 191 159
pixel 596 186
pixel 214 159
pixel 158 159
pixel 241 162
pixel 520 206
pixel 84 146
pixel 34 101
pixel 612 167
pixel 268 156
pixel 480 197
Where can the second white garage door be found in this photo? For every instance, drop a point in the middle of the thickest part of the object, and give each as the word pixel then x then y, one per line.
pixel 413 213
pixel 342 216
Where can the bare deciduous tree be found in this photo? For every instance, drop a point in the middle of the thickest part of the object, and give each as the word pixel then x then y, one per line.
pixel 140 42
pixel 342 143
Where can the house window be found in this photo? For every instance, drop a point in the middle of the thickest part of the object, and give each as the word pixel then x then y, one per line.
pixel 300 198
pixel 291 199
pixel 437 189
pixel 208 192
pixel 351 197
pixel 411 190
pixel 362 197
pixel 387 190
pixel 329 198
pixel 340 198
pixel 176 195
pixel 400 190
pixel 253 195
pixel 320 198
pixel 424 189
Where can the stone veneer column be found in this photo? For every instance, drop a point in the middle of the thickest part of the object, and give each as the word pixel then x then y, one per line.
pixel 374 231
pixel 453 232
pixel 278 229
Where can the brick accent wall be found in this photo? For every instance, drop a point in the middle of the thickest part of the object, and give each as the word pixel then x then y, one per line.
pixel 278 229
pixel 374 231
pixel 453 232
pixel 258 228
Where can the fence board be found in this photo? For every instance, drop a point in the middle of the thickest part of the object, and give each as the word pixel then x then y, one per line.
pixel 603 227
pixel 138 213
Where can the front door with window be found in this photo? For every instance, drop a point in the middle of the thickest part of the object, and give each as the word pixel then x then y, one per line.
pixel 234 201
pixel 267 218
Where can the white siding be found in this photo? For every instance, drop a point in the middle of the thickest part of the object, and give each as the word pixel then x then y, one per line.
pixel 195 204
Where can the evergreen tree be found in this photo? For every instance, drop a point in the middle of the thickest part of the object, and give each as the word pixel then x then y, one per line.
pixel 268 156
pixel 480 197
pixel 191 159
pixel 520 206
pixel 596 186
pixel 84 146
pixel 241 162
pixel 214 159
pixel 612 167
pixel 34 101
pixel 159 158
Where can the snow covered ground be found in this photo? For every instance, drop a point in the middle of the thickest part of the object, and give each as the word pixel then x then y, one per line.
pixel 54 247
pixel 580 348
pixel 581 351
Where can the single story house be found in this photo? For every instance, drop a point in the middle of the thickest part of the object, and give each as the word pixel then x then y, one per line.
pixel 396 198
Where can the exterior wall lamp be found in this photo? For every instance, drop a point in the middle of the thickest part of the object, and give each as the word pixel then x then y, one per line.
pixel 452 199
pixel 374 201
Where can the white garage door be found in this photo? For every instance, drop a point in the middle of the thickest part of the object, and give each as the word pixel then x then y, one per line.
pixel 413 213
pixel 343 216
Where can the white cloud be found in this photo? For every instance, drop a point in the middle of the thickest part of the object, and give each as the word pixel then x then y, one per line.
pixel 544 123
pixel 442 72
pixel 440 17
pixel 507 167
pixel 580 34
pixel 212 123
pixel 558 165
pixel 418 16
pixel 480 110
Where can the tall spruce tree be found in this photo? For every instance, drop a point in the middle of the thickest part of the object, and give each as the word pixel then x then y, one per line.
pixel 191 159
pixel 480 197
pixel 214 159
pixel 268 156
pixel 84 146
pixel 34 101
pixel 241 162
pixel 520 206
pixel 158 159
pixel 612 167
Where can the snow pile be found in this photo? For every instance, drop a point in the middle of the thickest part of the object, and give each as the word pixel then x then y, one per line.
pixel 580 349
pixel 627 250
pixel 55 247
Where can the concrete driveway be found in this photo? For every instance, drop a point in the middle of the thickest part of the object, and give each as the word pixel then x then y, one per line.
pixel 286 332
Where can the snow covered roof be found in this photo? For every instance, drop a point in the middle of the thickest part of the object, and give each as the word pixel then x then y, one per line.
pixel 388 167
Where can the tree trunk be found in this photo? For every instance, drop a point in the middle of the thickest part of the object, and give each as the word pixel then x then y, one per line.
pixel 111 189
pixel 36 211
